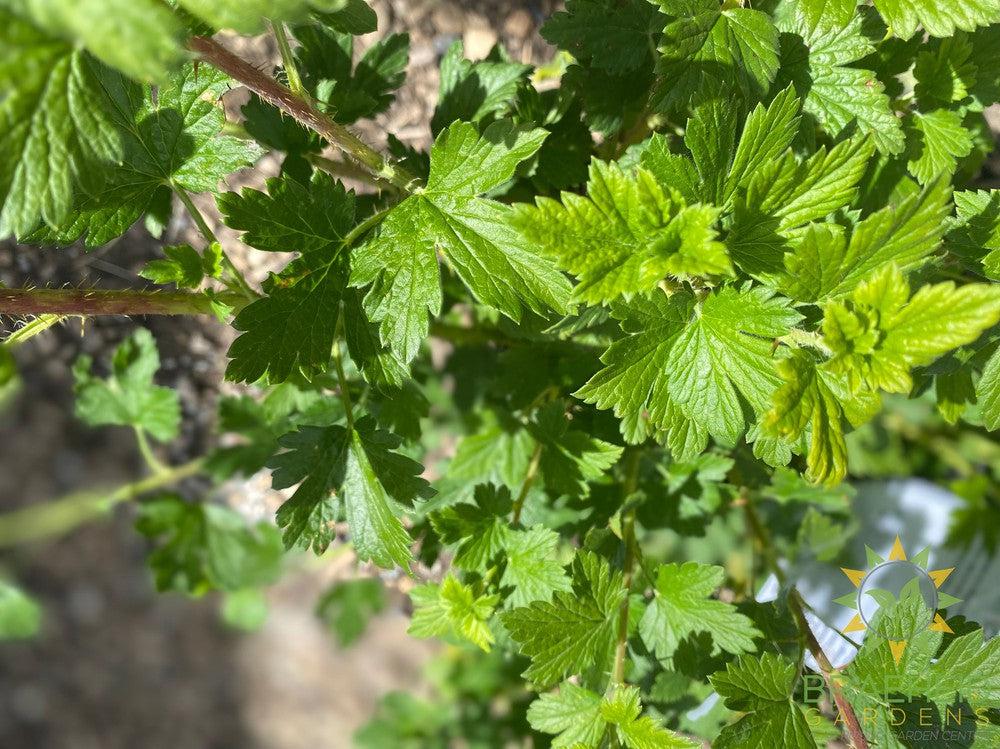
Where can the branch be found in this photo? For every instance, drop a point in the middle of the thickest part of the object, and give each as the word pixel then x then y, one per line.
pixel 89 302
pixel 56 518
pixel 302 111
pixel 797 608
pixel 632 465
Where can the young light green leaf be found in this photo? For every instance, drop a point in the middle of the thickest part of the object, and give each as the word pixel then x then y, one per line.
pixel 573 714
pixel 682 606
pixel 128 396
pixel 622 709
pixel 825 265
pixel 473 235
pixel 626 235
pixel 988 392
pixel 451 609
pixel 938 18
pixel 575 631
pixel 880 333
pixel 185 266
pixel 815 402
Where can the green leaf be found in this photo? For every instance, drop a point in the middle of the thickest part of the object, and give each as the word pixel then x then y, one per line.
pixel 786 194
pixel 818 61
pixel 451 609
pixel 346 91
pixel 140 37
pixel 761 687
pixel 475 91
pixel 937 18
pixel 940 140
pixel 20 616
pixel 988 392
pixel 55 132
pixel 825 264
pixel 880 333
pixel 622 710
pixel 682 606
pixel 245 610
pixel 347 607
pixel 944 72
pixel 207 547
pixel 498 452
pixel 172 139
pixel 570 457
pixel 573 715
pixel 473 235
pixel 606 34
pixel 293 328
pixel 185 266
pixel 353 471
pixel 625 236
pixel 815 402
pixel 128 396
pixel 575 631
pixel 532 571
pixel 248 16
pixel 685 374
pixel 706 45
pixel 975 231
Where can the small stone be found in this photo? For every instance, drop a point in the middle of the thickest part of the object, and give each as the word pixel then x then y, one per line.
pixel 518 24
pixel 478 41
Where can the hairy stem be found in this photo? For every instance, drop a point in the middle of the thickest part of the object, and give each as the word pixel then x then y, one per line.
pixel 632 461
pixel 239 281
pixel 60 516
pixel 797 608
pixel 88 302
pixel 288 60
pixel 302 111
pixel 32 328
pixel 529 479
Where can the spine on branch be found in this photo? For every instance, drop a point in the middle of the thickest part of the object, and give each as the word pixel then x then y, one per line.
pixel 89 302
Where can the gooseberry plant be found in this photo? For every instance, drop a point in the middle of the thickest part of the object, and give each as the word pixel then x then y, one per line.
pixel 637 298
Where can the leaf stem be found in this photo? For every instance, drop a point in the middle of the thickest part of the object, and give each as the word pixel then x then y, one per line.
pixel 349 170
pixel 796 605
pixel 146 450
pixel 288 60
pixel 529 479
pixel 60 516
pixel 632 464
pixel 302 111
pixel 89 302
pixel 239 281
pixel 345 395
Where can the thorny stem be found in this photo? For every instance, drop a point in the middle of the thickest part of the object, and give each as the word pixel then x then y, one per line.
pixel 288 60
pixel 345 395
pixel 349 170
pixel 60 516
pixel 797 608
pixel 89 302
pixel 632 461
pixel 302 111
pixel 529 479
pixel 209 236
